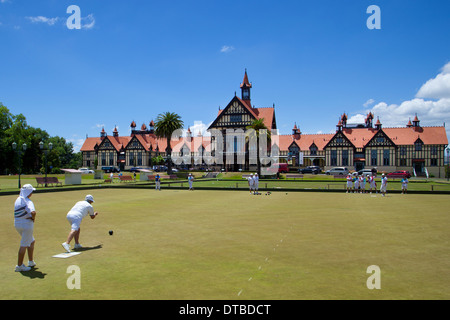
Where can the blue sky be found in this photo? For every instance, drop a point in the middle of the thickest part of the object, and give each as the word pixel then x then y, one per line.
pixel 132 60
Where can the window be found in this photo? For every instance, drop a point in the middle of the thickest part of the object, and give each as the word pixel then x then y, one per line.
pixel 111 158
pixel 403 162
pixel 434 150
pixel 433 162
pixel 345 157
pixel 386 157
pixel 373 158
pixel 334 157
pixel 235 118
pixel 140 159
pixel 313 150
pixel 403 151
pixel 380 139
pixel 103 159
pixel 339 140
pixel 418 145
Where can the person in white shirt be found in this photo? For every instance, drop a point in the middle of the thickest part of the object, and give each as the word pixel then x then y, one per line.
pixel 404 185
pixel 80 210
pixel 349 183
pixel 24 216
pixel 383 185
pixel 255 183
pixel 250 182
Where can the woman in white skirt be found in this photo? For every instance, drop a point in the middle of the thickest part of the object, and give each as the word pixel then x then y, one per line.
pixel 24 216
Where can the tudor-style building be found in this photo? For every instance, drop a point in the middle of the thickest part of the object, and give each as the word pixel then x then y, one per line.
pixel 367 145
pixel 232 123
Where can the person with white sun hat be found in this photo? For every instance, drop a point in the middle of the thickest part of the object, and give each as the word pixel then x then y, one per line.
pixel 24 217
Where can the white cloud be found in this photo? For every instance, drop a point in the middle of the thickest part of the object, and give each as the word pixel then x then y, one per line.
pixel 434 112
pixel 200 127
pixel 226 49
pixel 89 22
pixel 41 19
pixel 437 88
pixel 77 144
pixel 368 103
pixel 357 118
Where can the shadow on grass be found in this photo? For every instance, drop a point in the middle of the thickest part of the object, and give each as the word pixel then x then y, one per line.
pixel 88 248
pixel 34 274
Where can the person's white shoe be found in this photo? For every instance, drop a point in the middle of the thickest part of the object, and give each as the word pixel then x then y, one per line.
pixel 22 268
pixel 31 264
pixel 78 246
pixel 66 246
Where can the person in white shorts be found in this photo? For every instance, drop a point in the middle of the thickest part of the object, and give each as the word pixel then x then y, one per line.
pixel 255 183
pixel 250 182
pixel 383 185
pixel 404 185
pixel 24 216
pixel 349 183
pixel 80 210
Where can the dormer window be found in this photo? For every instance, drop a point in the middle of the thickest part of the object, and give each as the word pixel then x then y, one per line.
pixel 418 145
pixel 313 150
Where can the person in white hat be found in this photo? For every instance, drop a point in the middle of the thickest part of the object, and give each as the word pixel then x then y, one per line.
pixel 80 210
pixel 255 183
pixel 24 216
pixel 191 181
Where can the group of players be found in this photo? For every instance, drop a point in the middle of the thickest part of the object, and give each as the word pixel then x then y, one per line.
pixel 253 183
pixel 25 215
pixel 366 184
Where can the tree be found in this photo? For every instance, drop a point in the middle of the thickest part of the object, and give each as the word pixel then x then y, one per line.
pixel 166 123
pixel 258 125
pixel 6 153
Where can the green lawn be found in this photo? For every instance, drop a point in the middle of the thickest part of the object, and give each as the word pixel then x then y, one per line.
pixel 179 244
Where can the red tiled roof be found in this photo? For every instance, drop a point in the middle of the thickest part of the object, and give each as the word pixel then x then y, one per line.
pixel 408 136
pixel 359 137
pixel 90 143
pixel 304 141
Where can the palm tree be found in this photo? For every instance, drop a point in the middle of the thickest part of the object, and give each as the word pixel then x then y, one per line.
pixel 166 123
pixel 257 125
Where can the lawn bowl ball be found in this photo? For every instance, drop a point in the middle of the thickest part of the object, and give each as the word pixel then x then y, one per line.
pixel 111 232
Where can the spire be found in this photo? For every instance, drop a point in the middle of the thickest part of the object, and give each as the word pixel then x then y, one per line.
pixel 416 121
pixel 245 83
pixel 245 90
pixel 378 124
